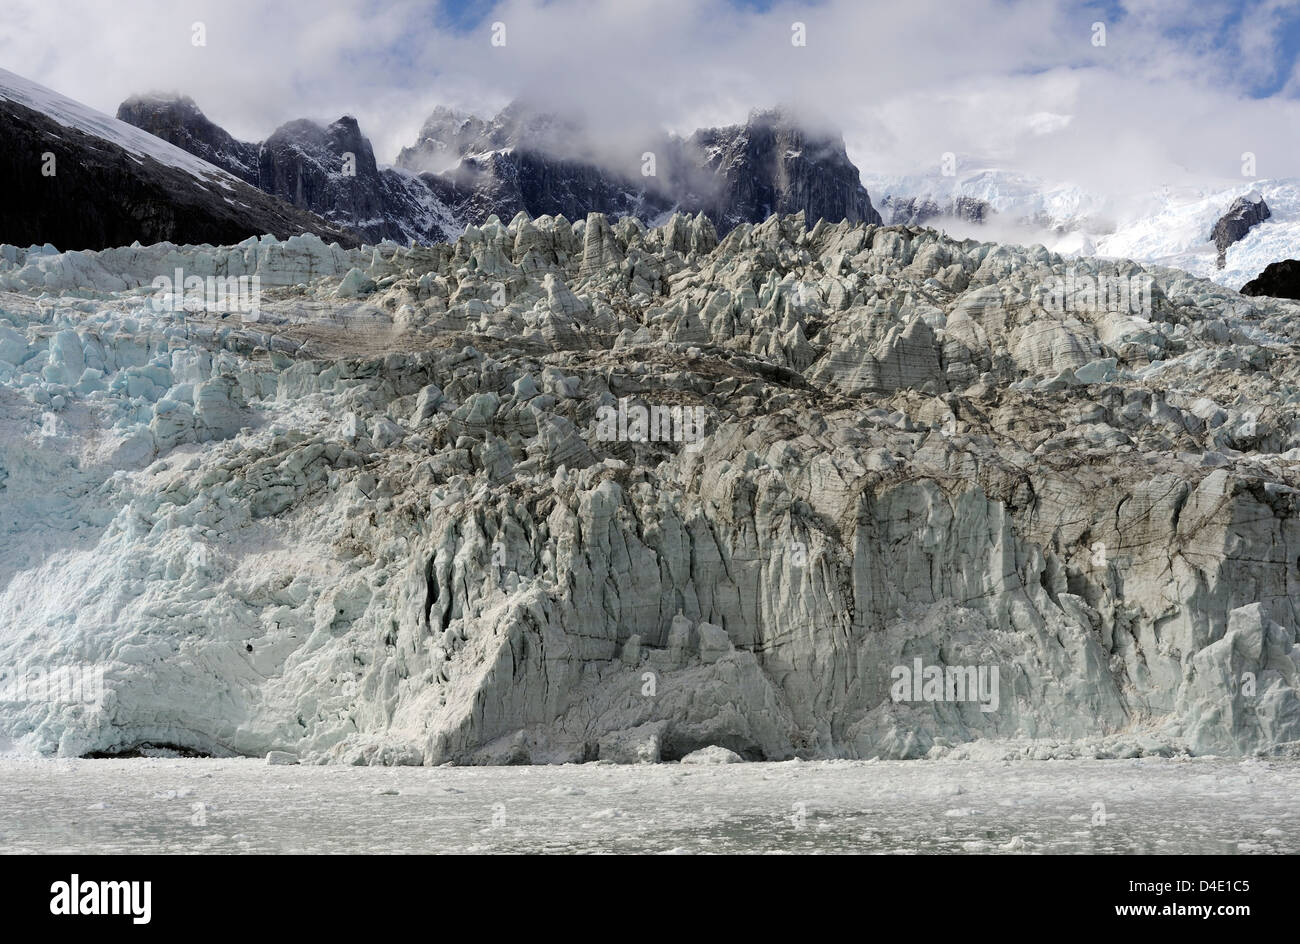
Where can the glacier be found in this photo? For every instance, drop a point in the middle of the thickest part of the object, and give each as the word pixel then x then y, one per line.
pixel 1167 227
pixel 372 521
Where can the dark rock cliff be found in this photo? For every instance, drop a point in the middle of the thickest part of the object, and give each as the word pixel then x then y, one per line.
pixel 102 195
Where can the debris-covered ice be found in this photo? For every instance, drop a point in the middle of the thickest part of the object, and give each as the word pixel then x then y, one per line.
pixel 575 491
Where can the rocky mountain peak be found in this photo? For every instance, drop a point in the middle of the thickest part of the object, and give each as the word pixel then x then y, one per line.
pixel 328 145
pixel 1245 212
pixel 333 170
pixel 178 120
pixel 444 138
pixel 773 164
pixel 464 169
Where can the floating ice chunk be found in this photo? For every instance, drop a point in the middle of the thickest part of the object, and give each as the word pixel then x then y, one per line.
pixel 713 755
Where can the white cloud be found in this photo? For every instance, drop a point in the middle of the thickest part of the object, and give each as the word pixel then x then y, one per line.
pixel 1013 80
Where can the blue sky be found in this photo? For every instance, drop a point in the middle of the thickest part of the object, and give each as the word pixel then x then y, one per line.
pixel 1211 27
pixel 1287 35
pixel 1214 27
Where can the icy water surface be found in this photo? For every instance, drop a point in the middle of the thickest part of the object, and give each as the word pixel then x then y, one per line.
pixel 232 806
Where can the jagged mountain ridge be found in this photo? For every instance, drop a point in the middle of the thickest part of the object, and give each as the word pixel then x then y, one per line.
pixel 769 165
pixel 329 170
pixel 178 120
pixel 113 185
pixel 463 170
pixel 531 161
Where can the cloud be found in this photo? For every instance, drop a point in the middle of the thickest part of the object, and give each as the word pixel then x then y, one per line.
pixel 1172 94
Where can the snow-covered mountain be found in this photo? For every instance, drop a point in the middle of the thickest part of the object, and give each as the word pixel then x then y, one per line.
pixel 187 179
pixel 1172 226
pixel 72 114
pixel 526 159
pixel 81 179
pixel 771 164
pixel 332 170
pixel 1029 204
pixel 1177 233
pixel 329 170
pixel 179 121
pixel 463 169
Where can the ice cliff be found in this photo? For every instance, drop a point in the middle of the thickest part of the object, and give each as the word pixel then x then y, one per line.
pixel 374 520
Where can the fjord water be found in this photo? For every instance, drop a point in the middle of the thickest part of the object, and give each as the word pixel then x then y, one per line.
pixel 172 805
